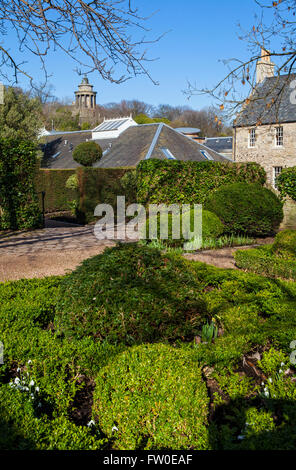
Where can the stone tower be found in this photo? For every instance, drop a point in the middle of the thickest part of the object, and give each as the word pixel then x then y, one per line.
pixel 85 101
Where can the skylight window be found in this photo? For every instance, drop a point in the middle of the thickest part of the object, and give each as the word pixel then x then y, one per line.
pixel 206 155
pixel 167 153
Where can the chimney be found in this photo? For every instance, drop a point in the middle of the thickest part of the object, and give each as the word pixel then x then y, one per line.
pixel 264 68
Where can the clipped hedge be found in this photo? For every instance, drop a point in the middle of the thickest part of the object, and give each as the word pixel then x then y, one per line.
pixel 19 208
pixel 97 186
pixel 284 244
pixel 57 195
pixel 171 182
pixel 246 209
pixel 87 153
pixel 155 396
pixel 263 261
pixel 212 227
pixel 131 294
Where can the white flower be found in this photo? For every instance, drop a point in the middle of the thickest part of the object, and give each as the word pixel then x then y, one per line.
pixel 114 429
pixel 32 383
pixel 266 393
pixel 270 380
pixel 16 381
pixel 29 361
pixel 94 298
pixel 280 371
pixel 282 364
pixel 18 369
pixel 91 423
pixel 37 389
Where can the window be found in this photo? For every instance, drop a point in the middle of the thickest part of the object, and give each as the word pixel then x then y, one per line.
pixel 276 173
pixel 206 155
pixel 168 154
pixel 252 138
pixel 279 136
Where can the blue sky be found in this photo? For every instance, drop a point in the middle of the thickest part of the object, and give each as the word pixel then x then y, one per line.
pixel 201 33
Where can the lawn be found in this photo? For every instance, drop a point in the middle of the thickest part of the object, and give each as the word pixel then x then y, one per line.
pixel 119 354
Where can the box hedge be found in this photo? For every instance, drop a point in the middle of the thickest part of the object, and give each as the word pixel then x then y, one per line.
pixel 247 209
pixel 153 397
pixel 19 208
pixel 131 294
pixel 53 183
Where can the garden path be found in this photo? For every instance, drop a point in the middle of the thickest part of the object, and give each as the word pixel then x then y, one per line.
pixel 60 248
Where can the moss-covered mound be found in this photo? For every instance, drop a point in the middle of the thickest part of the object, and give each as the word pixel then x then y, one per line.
pixel 131 294
pixel 153 397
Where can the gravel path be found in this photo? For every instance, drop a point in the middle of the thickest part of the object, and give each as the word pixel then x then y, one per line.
pixel 60 248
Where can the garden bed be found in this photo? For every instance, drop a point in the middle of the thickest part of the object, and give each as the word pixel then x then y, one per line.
pixel 61 388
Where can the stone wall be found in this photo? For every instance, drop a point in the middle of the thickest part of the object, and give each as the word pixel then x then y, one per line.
pixel 265 151
pixel 269 156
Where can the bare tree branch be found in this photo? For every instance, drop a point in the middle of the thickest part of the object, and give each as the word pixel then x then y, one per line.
pixel 97 35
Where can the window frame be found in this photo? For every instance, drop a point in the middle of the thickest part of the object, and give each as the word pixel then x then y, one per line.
pixel 252 139
pixel 279 136
pixel 275 175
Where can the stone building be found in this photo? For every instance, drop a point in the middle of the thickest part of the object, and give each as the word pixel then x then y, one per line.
pixel 85 103
pixel 265 129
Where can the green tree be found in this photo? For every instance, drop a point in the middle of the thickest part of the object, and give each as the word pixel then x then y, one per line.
pixel 20 115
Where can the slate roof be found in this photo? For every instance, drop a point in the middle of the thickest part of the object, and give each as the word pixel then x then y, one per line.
pixel 148 141
pixel 261 109
pixel 58 154
pixel 219 144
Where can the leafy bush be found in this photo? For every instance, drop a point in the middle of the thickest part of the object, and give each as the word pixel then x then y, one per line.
pixel 284 245
pixel 19 207
pixel 174 182
pixel 153 397
pixel 212 227
pixel 87 153
pixel 131 294
pixel 286 183
pixel 246 209
pixel 262 260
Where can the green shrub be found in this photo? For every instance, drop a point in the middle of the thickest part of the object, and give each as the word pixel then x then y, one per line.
pixel 87 153
pixel 153 397
pixel 284 245
pixel 212 227
pixel 19 207
pixel 262 260
pixel 286 183
pixel 246 209
pixel 188 182
pixel 131 294
pixel 57 194
pixel 98 186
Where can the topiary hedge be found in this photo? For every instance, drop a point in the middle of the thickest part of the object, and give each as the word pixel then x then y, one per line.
pixel 246 209
pixel 87 153
pixel 172 182
pixel 19 207
pixel 131 294
pixel 212 227
pixel 57 194
pixel 153 397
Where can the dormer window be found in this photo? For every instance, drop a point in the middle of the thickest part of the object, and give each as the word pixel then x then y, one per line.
pixel 252 138
pixel 279 136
